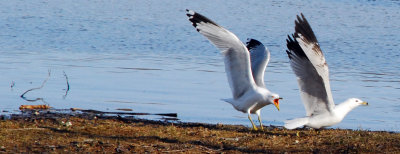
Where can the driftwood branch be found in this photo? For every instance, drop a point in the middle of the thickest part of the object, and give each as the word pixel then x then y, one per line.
pixel 41 86
pixel 34 100
pixel 66 90
pixel 130 113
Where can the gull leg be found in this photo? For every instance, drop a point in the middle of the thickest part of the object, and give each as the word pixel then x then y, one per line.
pixel 259 119
pixel 251 120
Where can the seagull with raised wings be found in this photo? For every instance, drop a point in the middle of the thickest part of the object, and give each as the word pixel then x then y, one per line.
pixel 244 66
pixel 309 65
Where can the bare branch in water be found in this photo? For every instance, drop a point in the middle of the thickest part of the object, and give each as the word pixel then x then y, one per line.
pixel 66 91
pixel 44 82
pixel 34 100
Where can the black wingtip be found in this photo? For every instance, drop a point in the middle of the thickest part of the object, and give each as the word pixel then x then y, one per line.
pixel 189 13
pixel 196 18
pixel 294 48
pixel 251 43
pixel 303 27
pixel 289 54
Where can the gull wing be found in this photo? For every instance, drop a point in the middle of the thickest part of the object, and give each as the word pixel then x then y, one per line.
pixel 259 57
pixel 309 65
pixel 236 55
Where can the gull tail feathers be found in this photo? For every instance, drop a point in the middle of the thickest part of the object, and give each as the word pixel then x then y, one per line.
pixel 294 123
pixel 229 100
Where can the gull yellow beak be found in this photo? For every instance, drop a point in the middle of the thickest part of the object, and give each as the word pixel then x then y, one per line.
pixel 276 103
pixel 364 103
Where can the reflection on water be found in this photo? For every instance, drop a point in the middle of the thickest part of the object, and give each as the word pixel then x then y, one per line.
pixel 151 60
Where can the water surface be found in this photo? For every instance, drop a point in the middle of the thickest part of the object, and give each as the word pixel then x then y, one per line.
pixel 146 56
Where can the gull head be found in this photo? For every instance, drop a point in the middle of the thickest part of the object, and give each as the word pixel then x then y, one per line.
pixel 358 102
pixel 274 98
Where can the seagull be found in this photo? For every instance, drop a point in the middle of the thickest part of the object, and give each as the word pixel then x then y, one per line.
pixel 244 67
pixel 309 65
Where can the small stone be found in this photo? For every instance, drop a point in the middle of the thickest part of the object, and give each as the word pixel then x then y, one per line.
pixel 68 124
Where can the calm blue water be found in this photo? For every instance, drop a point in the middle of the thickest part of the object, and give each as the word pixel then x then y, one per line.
pixel 146 56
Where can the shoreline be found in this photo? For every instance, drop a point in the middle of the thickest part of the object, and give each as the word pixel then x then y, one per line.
pixel 88 132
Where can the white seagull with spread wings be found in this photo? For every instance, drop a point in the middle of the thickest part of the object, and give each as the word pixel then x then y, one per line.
pixel 309 65
pixel 244 67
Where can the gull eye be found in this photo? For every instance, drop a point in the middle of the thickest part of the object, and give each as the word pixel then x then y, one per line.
pixel 356 100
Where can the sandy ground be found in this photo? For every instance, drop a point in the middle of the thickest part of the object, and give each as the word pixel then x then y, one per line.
pixel 83 132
